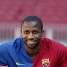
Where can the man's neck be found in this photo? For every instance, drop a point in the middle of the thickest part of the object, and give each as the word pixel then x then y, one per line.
pixel 33 52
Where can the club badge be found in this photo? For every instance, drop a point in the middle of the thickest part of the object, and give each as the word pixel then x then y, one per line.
pixel 45 62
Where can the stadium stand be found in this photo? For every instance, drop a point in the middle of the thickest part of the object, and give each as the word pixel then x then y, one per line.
pixel 12 12
pixel 53 11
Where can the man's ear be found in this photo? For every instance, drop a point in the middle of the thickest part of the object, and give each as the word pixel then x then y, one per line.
pixel 20 31
pixel 43 32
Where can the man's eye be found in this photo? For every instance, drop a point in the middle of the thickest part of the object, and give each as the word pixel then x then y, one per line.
pixel 35 32
pixel 26 32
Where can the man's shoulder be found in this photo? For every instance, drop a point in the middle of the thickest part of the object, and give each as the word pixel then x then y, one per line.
pixel 9 45
pixel 53 44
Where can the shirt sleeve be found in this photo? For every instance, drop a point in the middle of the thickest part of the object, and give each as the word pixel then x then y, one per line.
pixel 65 65
pixel 64 59
pixel 3 56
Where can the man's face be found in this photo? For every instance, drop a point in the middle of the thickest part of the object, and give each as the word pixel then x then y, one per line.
pixel 31 33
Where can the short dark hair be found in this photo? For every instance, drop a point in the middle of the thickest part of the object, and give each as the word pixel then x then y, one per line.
pixel 33 18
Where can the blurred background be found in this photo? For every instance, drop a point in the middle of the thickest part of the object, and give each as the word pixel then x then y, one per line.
pixel 52 12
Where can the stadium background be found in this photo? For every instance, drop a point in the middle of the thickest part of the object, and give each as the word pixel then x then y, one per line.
pixel 52 12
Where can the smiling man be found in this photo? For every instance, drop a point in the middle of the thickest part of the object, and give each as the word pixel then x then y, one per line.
pixel 31 32
pixel 30 50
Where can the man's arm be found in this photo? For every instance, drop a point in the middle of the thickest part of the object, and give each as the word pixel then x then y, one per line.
pixel 3 55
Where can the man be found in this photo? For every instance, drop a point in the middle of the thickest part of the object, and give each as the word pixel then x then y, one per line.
pixel 31 50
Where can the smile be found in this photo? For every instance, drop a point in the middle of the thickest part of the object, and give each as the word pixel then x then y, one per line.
pixel 31 42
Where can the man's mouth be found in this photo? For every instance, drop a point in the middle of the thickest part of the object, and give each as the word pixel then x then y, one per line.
pixel 31 42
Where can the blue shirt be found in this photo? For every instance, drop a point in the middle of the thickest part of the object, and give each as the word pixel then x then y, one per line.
pixel 14 54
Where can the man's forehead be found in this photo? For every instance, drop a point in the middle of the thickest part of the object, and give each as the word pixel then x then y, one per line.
pixel 31 26
pixel 31 23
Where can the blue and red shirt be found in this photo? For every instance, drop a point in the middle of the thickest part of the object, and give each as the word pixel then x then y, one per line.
pixel 51 54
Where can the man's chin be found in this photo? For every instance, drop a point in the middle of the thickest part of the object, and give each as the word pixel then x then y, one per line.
pixel 31 47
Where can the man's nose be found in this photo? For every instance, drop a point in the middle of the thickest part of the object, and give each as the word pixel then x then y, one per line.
pixel 31 35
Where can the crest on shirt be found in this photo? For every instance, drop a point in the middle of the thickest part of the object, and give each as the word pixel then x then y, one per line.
pixel 45 62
